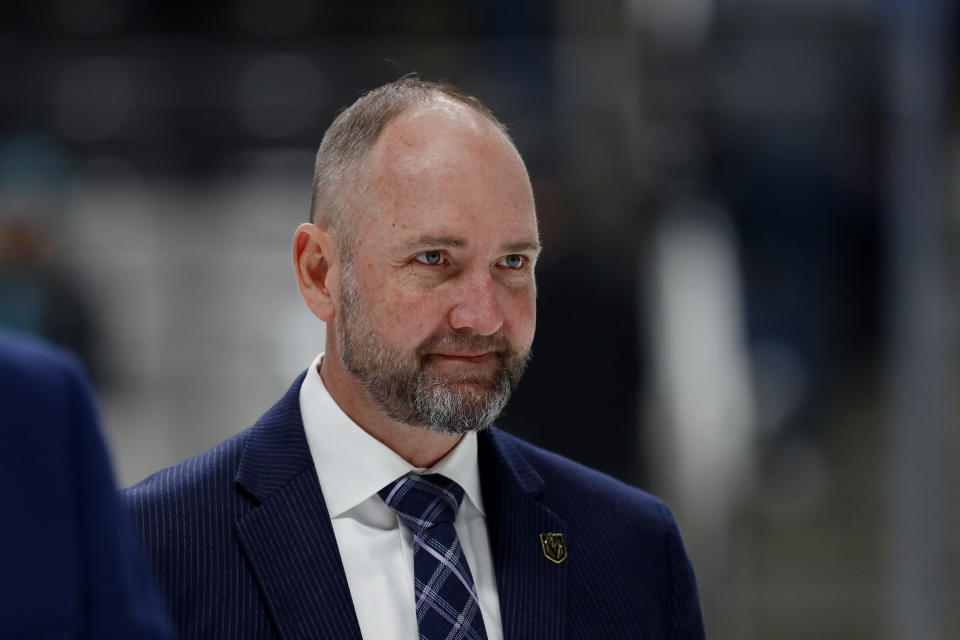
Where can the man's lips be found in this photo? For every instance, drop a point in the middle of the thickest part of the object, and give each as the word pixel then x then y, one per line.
pixel 465 357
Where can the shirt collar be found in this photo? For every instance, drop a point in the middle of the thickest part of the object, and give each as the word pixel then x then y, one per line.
pixel 352 465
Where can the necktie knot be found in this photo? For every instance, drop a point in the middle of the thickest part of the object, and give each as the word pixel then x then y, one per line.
pixel 423 502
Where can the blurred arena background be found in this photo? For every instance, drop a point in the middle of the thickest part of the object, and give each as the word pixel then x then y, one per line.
pixel 748 300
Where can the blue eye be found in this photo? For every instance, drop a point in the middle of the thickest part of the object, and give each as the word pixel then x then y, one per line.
pixel 429 258
pixel 512 261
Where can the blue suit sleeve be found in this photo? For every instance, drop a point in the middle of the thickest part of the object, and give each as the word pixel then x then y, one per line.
pixel 118 596
pixel 686 618
pixel 71 565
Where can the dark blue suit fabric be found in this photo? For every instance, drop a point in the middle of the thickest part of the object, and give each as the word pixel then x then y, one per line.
pixel 72 567
pixel 242 541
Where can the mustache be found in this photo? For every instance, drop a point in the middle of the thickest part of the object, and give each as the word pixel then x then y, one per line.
pixel 466 341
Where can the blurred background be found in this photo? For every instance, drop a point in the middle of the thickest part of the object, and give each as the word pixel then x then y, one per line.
pixel 748 299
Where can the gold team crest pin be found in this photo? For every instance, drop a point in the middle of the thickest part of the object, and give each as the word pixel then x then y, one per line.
pixel 554 547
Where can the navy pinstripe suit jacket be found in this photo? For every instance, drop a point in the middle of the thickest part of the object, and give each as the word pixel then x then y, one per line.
pixel 242 543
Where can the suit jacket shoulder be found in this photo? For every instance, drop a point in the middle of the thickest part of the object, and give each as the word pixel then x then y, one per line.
pixel 563 475
pixel 625 556
pixel 72 567
pixel 241 539
pixel 189 504
pixel 185 515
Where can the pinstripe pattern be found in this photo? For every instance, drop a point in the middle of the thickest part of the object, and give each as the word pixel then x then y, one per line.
pixel 241 540
pixel 243 547
pixel 626 575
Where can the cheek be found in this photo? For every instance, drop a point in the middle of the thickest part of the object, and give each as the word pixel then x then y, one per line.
pixel 406 315
pixel 520 317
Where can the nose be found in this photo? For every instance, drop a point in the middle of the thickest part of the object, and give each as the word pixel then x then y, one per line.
pixel 476 306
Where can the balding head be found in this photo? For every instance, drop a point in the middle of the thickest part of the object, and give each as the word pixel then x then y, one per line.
pixel 338 190
pixel 421 262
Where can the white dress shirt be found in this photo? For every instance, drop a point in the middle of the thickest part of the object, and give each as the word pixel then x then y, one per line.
pixel 376 550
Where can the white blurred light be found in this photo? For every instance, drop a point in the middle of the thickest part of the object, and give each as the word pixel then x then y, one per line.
pixel 703 375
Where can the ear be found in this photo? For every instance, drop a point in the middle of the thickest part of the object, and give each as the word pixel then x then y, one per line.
pixel 316 263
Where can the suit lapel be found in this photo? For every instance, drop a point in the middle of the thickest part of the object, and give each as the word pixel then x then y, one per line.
pixel 532 589
pixel 289 542
pixel 287 538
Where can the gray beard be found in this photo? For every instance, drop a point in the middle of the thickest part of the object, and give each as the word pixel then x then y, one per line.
pixel 406 390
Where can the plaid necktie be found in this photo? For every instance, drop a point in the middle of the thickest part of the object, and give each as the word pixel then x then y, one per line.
pixel 447 604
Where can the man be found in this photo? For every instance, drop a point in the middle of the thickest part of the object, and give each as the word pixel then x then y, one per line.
pixel 71 566
pixel 372 500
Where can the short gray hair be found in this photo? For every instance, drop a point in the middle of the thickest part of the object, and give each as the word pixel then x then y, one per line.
pixel 356 130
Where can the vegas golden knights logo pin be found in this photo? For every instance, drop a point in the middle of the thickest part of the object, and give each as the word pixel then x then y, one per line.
pixel 554 547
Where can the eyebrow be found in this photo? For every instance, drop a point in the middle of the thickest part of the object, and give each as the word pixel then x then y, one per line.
pixel 521 247
pixel 459 243
pixel 437 241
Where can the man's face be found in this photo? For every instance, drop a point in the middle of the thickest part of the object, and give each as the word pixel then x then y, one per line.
pixel 437 297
